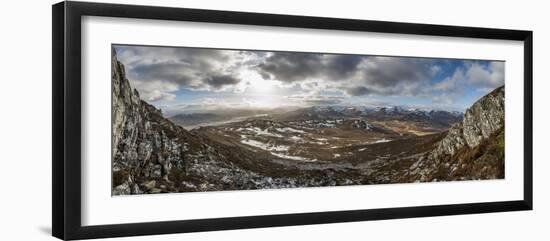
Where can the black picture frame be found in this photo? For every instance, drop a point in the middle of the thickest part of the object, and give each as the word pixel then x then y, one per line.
pixel 66 127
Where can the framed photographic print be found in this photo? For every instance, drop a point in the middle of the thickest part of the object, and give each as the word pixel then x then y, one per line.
pixel 221 120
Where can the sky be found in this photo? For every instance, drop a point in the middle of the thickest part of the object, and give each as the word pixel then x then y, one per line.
pixel 181 79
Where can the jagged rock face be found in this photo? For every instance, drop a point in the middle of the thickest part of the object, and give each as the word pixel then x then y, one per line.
pixel 483 124
pixel 144 143
pixel 484 117
pixel 481 120
pixel 453 141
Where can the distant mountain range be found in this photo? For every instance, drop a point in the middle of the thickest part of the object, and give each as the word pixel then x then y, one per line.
pixel 438 118
pixel 380 113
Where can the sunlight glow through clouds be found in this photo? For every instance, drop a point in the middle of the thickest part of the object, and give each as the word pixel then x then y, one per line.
pixel 169 77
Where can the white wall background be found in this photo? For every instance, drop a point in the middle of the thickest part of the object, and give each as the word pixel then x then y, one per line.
pixel 25 122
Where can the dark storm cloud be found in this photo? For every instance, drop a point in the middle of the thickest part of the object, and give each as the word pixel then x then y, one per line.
pixel 341 66
pixel 290 67
pixel 218 81
pixel 171 72
pixel 390 71
pixel 177 73
pixel 357 91
pixel 367 74
pixel 186 67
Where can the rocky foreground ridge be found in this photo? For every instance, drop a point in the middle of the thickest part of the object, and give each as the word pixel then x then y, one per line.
pixel 153 155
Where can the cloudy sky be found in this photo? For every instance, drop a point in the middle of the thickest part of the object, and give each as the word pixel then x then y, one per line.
pixel 194 79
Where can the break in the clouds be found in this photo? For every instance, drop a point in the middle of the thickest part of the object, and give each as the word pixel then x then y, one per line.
pixel 174 75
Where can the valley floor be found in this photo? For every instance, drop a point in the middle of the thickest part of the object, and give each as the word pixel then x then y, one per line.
pixel 260 153
pixel 263 153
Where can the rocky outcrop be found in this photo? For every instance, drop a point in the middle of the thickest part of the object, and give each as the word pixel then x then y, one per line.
pixel 145 145
pixel 481 120
pixel 484 117
pixel 483 123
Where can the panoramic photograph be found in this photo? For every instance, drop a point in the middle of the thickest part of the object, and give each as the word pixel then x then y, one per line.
pixel 187 119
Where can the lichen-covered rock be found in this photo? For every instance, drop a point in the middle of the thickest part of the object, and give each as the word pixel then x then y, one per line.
pixel 122 189
pixel 144 143
pixel 483 123
pixel 452 142
pixel 481 120
pixel 484 117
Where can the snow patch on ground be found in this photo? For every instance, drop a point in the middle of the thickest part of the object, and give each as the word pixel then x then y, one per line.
pixel 382 140
pixel 260 132
pixel 288 129
pixel 264 146
pixel 296 158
